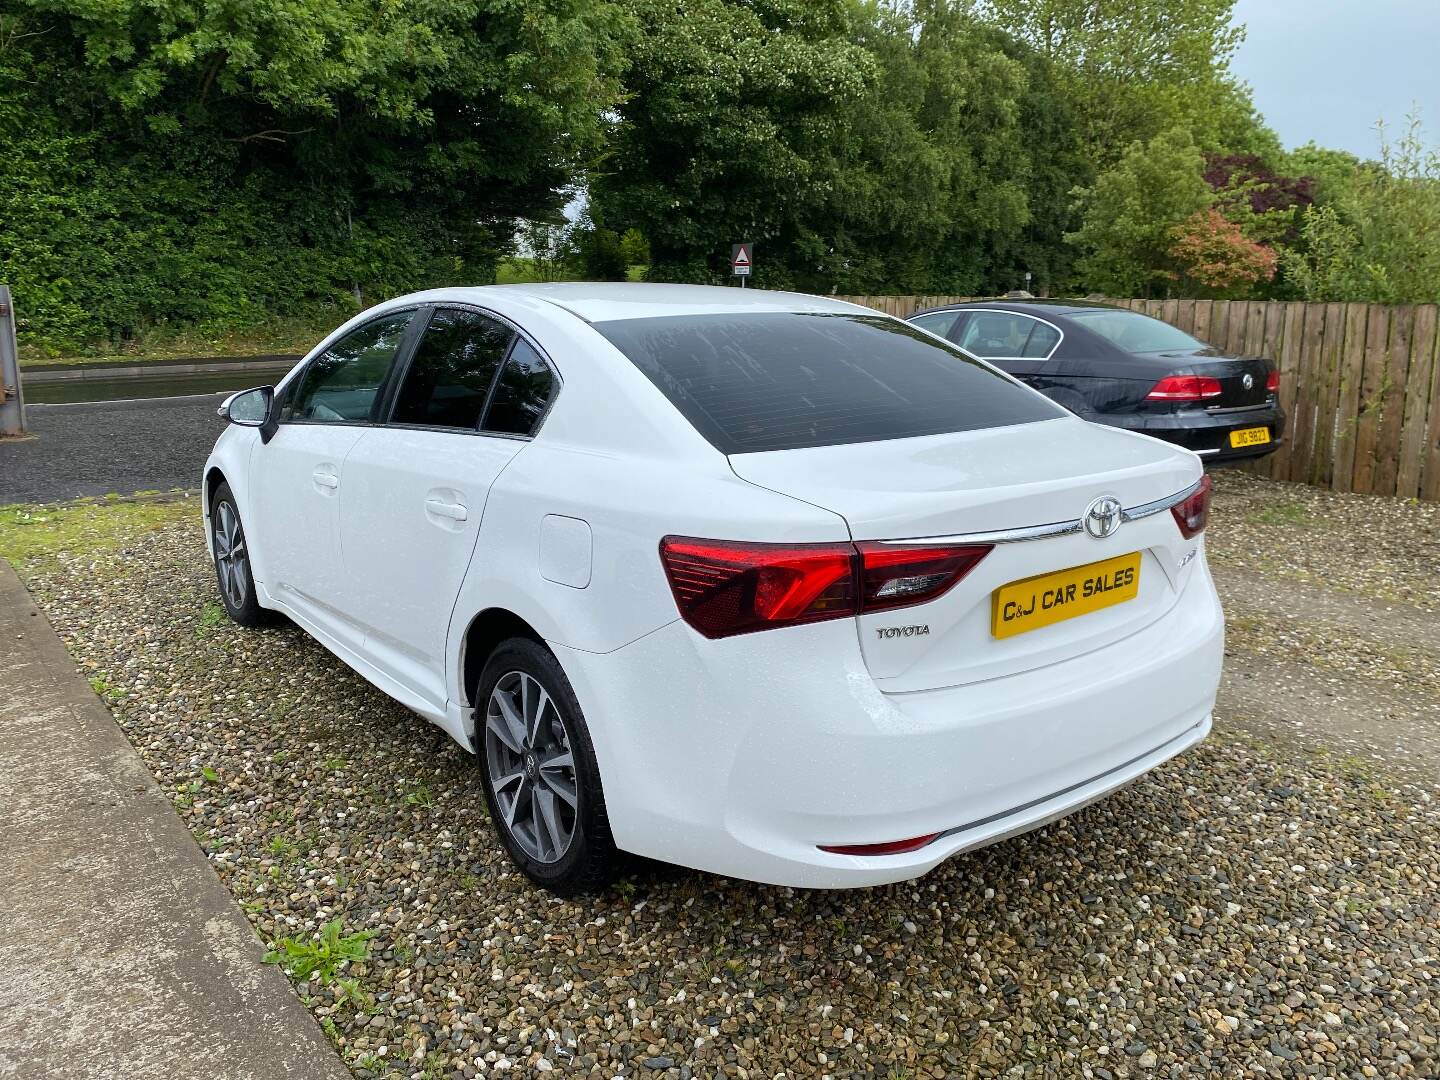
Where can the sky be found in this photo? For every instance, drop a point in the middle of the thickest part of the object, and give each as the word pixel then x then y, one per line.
pixel 1328 69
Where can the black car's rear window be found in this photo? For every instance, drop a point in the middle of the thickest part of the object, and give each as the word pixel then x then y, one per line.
pixel 786 380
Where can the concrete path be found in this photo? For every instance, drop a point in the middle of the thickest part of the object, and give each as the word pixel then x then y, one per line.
pixel 112 446
pixel 121 953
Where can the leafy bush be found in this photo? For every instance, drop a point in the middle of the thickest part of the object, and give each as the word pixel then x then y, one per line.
pixel 1212 252
pixel 601 255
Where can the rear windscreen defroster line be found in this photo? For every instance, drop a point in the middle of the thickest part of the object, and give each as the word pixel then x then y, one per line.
pixel 750 382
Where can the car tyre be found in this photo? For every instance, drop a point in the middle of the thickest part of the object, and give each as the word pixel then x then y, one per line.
pixel 537 761
pixel 232 562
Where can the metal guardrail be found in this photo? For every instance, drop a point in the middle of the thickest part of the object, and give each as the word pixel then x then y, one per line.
pixel 12 396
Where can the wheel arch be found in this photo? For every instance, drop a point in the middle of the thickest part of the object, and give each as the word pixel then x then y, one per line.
pixel 214 477
pixel 485 631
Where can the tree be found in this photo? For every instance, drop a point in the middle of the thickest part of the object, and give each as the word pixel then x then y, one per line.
pixel 221 166
pixel 1377 238
pixel 1325 265
pixel 635 247
pixel 1129 215
pixel 600 255
pixel 1248 178
pixel 550 248
pixel 735 117
pixel 1134 68
pixel 865 148
pixel 1213 256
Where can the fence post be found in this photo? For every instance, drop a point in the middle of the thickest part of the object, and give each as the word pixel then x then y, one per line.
pixel 12 401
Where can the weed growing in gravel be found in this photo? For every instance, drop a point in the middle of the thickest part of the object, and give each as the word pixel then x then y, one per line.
pixel 349 991
pixel 334 764
pixel 283 848
pixel 210 775
pixel 212 616
pixel 104 691
pixel 421 797
pixel 320 957
pixel 1282 513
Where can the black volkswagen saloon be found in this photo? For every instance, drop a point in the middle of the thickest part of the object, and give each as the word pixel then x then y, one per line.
pixel 1118 367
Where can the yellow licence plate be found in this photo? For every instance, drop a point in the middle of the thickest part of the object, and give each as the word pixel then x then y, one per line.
pixel 1250 436
pixel 1050 598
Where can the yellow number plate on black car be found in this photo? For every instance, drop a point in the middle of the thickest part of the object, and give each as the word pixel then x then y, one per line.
pixel 1250 436
pixel 1051 598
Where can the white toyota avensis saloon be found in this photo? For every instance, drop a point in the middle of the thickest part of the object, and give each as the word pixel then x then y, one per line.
pixel 764 584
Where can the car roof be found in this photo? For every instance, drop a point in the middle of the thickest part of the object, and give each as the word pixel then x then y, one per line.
pixel 1041 308
pixel 605 301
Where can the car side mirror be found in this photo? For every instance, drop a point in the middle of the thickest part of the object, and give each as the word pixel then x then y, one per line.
pixel 252 408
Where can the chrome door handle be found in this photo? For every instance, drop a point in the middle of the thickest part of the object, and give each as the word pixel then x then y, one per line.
pixel 440 508
pixel 325 479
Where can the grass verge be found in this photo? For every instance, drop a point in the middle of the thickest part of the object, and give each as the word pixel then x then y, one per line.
pixel 31 534
pixel 278 336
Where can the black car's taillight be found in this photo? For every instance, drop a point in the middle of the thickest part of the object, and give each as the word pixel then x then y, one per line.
pixel 1185 388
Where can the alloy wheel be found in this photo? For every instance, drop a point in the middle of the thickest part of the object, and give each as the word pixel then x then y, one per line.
pixel 531 767
pixel 232 560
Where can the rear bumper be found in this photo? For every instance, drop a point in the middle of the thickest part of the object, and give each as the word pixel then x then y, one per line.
pixel 752 751
pixel 1207 433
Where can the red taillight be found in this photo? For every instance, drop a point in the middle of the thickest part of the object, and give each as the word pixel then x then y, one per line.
pixel 1185 388
pixel 725 587
pixel 1192 513
pixel 1272 382
pixel 892 847
pixel 894 576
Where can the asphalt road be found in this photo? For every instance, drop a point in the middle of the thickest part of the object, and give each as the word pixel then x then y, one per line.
pixel 101 447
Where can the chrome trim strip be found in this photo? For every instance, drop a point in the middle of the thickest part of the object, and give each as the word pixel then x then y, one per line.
pixel 1229 410
pixel 1000 536
pixel 1055 528
pixel 1144 510
pixel 1202 453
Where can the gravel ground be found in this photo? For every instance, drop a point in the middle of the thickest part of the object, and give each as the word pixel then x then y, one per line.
pixel 1388 549
pixel 1256 908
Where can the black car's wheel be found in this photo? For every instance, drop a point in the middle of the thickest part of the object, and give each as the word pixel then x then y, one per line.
pixel 232 561
pixel 541 781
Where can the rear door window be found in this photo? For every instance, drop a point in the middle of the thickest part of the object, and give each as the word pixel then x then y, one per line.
pixel 761 381
pixel 450 375
pixel 937 322
pixel 1007 335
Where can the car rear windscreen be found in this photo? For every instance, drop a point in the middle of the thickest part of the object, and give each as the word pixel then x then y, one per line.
pixel 784 380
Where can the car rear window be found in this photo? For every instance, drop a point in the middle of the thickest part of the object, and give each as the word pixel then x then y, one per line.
pixel 786 380
pixel 1136 333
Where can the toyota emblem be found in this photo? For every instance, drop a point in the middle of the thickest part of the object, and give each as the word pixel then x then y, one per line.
pixel 1103 517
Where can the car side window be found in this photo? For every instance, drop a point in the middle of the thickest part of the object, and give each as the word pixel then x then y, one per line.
pixel 342 384
pixel 937 322
pixel 1002 334
pixel 522 393
pixel 1042 341
pixel 452 370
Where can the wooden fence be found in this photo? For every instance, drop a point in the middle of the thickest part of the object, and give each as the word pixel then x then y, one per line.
pixel 1360 383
